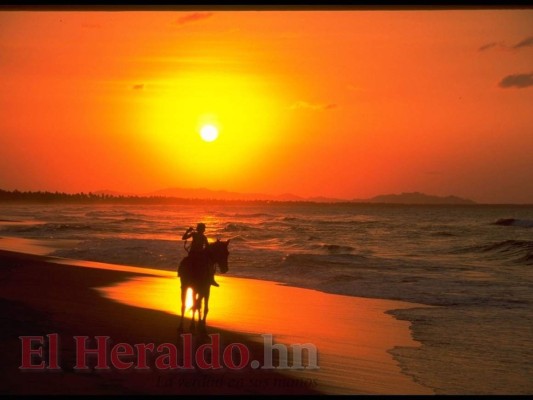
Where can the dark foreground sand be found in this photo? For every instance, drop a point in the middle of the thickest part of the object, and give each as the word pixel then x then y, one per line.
pixel 39 298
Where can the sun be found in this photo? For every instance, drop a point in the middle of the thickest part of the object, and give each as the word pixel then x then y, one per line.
pixel 209 133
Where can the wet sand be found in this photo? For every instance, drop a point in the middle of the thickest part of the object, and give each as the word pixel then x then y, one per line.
pixel 43 295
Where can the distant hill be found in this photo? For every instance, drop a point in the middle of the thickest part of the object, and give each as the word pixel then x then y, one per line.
pixel 203 193
pixel 418 198
pixel 208 194
pixel 403 198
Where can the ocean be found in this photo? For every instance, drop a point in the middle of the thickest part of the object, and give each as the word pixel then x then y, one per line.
pixel 472 263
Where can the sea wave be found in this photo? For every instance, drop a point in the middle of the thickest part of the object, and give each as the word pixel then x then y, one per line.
pixel 509 245
pixel 524 223
pixel 335 248
pixel 107 213
pixel 340 221
pixel 238 238
pixel 254 215
pixel 443 234
pixel 130 221
pixel 46 228
pixel 310 259
pixel 518 251
pixel 236 227
pixel 163 254
pixel 245 215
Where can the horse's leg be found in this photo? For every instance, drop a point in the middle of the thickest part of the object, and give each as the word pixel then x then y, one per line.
pixel 194 309
pixel 199 308
pixel 206 305
pixel 198 304
pixel 183 301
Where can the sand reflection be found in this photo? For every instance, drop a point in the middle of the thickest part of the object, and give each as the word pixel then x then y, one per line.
pixel 352 334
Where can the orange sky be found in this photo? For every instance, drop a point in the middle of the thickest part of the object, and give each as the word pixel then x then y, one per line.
pixel 347 104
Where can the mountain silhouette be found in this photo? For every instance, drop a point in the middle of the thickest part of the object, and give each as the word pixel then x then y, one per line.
pixel 403 198
pixel 418 198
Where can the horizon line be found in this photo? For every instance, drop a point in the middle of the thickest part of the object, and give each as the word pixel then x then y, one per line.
pixel 94 196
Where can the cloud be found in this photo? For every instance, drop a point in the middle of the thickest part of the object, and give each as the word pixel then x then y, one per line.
pixel 299 105
pixel 527 42
pixel 197 16
pixel 517 80
pixel 488 46
pixel 524 43
pixel 138 87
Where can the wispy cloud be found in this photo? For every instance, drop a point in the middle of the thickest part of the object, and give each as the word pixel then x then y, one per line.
pixel 194 17
pixel 139 86
pixel 527 42
pixel 312 106
pixel 524 43
pixel 489 46
pixel 517 80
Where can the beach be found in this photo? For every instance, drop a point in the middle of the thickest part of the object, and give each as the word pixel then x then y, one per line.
pixel 56 302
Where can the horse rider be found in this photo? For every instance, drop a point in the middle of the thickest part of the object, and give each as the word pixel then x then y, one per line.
pixel 198 250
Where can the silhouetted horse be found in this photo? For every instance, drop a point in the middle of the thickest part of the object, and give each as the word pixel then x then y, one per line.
pixel 198 278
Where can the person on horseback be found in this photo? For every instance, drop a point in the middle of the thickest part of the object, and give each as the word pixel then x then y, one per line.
pixel 198 250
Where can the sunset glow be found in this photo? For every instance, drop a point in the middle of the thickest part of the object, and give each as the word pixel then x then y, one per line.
pixel 341 103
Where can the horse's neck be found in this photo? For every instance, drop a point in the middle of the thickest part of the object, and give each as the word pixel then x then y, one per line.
pixel 213 253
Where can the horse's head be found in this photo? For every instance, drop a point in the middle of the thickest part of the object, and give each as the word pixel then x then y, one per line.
pixel 219 253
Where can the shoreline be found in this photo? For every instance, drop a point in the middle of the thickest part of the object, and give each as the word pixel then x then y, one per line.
pixel 347 364
pixel 67 305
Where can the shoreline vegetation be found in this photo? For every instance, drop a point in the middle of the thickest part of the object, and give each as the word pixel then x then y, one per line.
pixel 45 197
